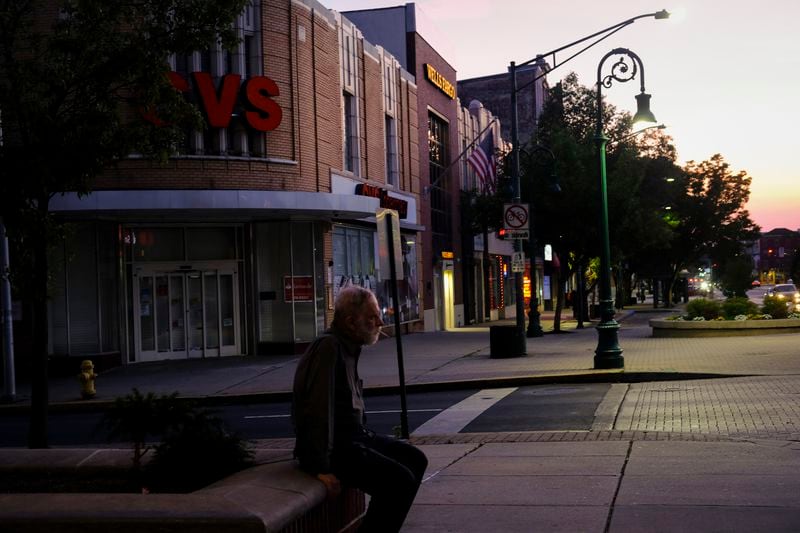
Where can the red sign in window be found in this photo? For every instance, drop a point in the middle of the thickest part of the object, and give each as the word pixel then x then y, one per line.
pixel 298 289
pixel 218 99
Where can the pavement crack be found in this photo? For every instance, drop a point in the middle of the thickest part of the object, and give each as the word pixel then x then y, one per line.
pixel 451 463
pixel 618 487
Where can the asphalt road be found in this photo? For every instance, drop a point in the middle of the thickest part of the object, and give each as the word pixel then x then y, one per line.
pixel 535 408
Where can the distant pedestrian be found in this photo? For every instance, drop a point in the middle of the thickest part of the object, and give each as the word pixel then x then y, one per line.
pixel 333 442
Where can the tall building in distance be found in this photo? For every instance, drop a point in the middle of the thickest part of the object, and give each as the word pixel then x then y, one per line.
pixel 494 92
pixel 776 254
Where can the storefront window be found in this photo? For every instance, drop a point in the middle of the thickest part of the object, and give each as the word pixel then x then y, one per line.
pixel 353 258
pixel 354 264
pixel 290 282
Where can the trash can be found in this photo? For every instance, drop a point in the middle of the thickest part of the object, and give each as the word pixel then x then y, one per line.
pixel 506 341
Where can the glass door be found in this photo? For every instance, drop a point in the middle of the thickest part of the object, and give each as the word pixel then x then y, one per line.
pixel 187 314
pixel 194 314
pixel 160 316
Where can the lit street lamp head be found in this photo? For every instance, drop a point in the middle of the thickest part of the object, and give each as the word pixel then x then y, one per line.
pixel 643 113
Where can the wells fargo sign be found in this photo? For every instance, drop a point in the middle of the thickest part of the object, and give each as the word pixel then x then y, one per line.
pixel 386 201
pixel 218 104
pixel 439 81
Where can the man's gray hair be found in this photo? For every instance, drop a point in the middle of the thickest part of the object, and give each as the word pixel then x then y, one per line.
pixel 350 301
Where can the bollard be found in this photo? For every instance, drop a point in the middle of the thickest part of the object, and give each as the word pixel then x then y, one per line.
pixel 86 379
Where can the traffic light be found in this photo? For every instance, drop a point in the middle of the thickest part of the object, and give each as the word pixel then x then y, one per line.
pixel 501 234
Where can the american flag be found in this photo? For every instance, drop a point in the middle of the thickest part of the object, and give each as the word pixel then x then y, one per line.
pixel 482 161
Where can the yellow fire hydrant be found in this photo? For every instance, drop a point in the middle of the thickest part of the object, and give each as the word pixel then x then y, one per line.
pixel 86 378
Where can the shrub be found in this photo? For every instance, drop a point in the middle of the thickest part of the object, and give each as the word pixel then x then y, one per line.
pixel 195 447
pixel 195 453
pixel 701 307
pixel 732 307
pixel 138 417
pixel 774 306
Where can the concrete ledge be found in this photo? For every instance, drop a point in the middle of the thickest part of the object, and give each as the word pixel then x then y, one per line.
pixel 723 328
pixel 277 497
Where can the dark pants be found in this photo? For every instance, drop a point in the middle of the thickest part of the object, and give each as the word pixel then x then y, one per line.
pixel 387 469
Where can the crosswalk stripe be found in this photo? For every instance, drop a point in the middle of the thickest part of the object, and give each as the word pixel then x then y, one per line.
pixel 456 418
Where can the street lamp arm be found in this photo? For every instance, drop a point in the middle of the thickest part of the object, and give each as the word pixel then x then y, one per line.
pixel 604 33
pixel 621 71
pixel 540 148
pixel 637 132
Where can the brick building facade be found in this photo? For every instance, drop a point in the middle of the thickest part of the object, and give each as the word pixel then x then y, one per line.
pixel 455 271
pixel 775 255
pixel 239 243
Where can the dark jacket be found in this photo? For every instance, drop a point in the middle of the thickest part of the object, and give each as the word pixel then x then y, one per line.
pixel 328 401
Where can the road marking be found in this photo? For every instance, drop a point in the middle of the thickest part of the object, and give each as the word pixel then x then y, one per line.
pixel 390 411
pixel 456 418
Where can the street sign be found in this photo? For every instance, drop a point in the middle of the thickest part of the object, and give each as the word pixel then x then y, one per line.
pixel 518 262
pixel 517 234
pixel 383 243
pixel 515 216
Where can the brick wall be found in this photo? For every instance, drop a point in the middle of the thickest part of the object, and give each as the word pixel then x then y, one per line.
pixel 300 53
pixel 431 97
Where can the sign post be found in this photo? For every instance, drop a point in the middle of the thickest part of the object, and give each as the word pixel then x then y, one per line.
pixel 518 262
pixel 389 239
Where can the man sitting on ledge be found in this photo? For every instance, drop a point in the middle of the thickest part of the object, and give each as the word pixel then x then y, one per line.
pixel 328 415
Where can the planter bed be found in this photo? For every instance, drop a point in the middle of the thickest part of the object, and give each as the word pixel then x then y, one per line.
pixel 723 328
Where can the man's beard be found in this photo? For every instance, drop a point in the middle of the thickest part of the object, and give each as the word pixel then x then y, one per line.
pixel 368 336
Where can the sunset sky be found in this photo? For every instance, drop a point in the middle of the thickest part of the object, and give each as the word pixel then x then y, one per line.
pixel 725 76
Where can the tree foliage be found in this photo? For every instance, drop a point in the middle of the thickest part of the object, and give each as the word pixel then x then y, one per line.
pixel 75 78
pixel 662 217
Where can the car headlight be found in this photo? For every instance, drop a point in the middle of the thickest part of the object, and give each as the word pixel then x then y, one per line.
pixel 781 296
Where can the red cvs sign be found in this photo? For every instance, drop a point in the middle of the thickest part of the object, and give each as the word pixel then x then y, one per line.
pixel 262 113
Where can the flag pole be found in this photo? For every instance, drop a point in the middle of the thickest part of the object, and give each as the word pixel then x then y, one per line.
pixel 427 188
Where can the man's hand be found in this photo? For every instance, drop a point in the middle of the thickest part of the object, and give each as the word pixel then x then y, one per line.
pixel 331 483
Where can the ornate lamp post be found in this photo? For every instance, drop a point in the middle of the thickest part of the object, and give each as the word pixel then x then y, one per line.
pixel 599 36
pixel 608 353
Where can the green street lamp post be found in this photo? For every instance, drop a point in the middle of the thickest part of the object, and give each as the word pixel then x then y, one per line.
pixel 534 330
pixel 608 353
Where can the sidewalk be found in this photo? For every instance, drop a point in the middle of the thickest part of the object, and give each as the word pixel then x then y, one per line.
pixel 456 358
pixel 670 451
pixel 625 486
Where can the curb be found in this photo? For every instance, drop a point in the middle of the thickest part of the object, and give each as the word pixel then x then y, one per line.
pixel 600 376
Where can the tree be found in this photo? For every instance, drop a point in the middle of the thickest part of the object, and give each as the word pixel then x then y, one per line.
pixel 75 79
pixel 709 219
pixel 736 275
pixel 569 220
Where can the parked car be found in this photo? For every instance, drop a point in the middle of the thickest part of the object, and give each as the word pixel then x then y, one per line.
pixel 787 291
pixel 756 283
